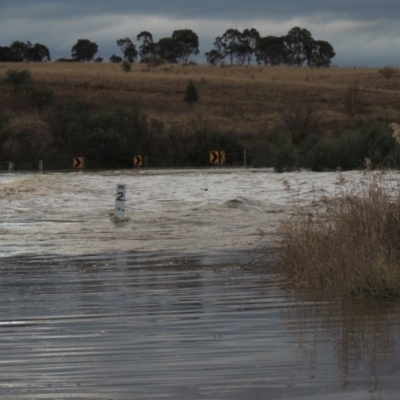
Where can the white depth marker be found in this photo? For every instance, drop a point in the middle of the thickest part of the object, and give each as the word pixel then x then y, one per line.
pixel 120 201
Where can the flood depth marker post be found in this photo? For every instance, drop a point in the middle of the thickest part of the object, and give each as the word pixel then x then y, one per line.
pixel 120 201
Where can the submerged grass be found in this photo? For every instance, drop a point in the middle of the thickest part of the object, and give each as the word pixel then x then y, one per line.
pixel 350 245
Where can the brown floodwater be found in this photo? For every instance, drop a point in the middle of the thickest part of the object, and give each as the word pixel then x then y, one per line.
pixel 143 326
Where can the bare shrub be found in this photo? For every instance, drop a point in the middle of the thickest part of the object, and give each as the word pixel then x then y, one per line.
pixel 153 62
pixel 388 72
pixel 351 246
pixel 301 118
pixel 126 66
pixel 352 97
pixel 396 131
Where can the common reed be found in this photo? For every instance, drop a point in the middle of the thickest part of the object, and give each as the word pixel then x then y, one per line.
pixel 350 245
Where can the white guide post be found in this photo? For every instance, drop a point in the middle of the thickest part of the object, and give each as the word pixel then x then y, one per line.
pixel 120 201
pixel 10 167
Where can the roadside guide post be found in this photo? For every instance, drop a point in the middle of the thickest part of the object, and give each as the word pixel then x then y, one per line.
pixel 78 163
pixel 120 201
pixel 217 157
pixel 10 167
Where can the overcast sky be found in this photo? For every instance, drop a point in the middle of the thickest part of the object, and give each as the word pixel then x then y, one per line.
pixel 362 32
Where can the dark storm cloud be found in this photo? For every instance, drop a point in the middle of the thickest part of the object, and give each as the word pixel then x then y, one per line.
pixel 363 32
pixel 213 9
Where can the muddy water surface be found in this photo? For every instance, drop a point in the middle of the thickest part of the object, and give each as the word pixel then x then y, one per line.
pixel 169 303
pixel 143 327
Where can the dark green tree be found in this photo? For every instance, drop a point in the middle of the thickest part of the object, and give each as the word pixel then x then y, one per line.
pixel 237 46
pixel 115 59
pixel 38 53
pixel 214 57
pixel 186 44
pixel 17 79
pixel 191 94
pixel 65 60
pixel 20 49
pixel 298 44
pixel 219 48
pixel 321 54
pixel 232 44
pixel 166 48
pixel 128 49
pixel 241 53
pixel 250 38
pixel 40 96
pixel 271 50
pixel 148 48
pixel 84 50
pixel 7 54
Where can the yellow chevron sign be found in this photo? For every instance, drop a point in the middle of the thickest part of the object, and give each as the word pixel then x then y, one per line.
pixel 79 162
pixel 137 161
pixel 217 157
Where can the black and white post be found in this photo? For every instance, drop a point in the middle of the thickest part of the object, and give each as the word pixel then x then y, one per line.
pixel 120 201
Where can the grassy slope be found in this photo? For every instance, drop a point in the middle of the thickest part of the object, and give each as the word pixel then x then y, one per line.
pixel 245 100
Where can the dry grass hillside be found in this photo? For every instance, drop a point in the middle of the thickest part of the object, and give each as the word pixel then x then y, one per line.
pixel 254 103
pixel 240 99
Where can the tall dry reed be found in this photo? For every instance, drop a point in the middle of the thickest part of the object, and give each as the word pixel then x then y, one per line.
pixel 350 246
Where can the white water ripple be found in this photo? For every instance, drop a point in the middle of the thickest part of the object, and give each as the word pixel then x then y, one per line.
pixel 182 211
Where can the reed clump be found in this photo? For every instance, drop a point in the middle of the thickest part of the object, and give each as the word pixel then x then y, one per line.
pixel 350 245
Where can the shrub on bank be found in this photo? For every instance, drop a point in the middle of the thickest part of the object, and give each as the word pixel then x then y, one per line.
pixel 347 152
pixel 285 157
pixel 350 246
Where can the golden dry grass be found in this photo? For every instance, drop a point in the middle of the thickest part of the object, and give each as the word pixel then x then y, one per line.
pixel 350 246
pixel 232 99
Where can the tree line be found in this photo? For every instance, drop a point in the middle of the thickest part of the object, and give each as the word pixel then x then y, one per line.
pixel 20 51
pixel 296 48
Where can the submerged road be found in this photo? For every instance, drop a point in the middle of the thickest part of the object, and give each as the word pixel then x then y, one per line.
pixel 131 327
pixel 170 303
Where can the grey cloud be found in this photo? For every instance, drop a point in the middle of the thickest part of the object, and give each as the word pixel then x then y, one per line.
pixel 213 9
